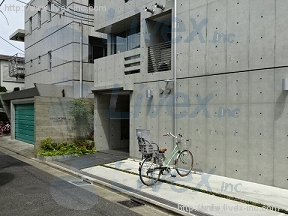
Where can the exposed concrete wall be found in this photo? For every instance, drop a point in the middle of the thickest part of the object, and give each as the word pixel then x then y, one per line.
pixel 233 67
pixel 101 123
pixel 242 138
pixel 242 147
pixel 52 119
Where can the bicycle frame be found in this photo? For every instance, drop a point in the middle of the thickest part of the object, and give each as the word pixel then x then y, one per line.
pixel 174 153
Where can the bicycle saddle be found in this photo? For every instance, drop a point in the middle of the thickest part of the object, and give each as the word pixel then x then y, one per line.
pixel 162 150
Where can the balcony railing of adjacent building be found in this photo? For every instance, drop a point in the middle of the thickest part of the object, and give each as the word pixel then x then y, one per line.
pixel 17 66
pixel 159 57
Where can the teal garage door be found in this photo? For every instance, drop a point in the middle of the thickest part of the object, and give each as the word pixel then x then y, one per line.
pixel 24 123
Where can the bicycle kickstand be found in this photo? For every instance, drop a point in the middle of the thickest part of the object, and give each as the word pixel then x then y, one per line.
pixel 169 171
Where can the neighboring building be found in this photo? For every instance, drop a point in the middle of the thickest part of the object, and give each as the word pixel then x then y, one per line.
pixel 60 45
pixel 231 59
pixel 10 82
pixel 60 48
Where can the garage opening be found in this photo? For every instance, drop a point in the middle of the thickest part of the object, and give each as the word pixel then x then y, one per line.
pixel 24 123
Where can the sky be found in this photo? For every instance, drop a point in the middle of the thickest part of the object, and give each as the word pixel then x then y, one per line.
pixel 14 11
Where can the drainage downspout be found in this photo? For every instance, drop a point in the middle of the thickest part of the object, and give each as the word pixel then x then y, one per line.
pixel 81 60
pixel 174 64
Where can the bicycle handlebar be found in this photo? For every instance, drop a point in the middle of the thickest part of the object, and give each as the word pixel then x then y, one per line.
pixel 170 134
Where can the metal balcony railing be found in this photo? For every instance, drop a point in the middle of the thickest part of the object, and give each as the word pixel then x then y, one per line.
pixel 17 66
pixel 159 57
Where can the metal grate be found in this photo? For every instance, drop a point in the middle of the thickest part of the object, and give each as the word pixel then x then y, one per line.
pixel 131 203
pixel 159 57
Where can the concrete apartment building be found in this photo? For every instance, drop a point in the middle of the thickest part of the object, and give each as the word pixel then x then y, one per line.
pixel 231 59
pixel 60 47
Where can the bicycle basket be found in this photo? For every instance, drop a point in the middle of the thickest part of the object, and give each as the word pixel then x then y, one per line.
pixel 184 144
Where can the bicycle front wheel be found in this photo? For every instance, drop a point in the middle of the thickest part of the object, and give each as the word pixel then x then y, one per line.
pixel 149 171
pixel 184 163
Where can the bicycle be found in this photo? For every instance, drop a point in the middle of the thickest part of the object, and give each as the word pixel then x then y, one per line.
pixel 4 128
pixel 153 162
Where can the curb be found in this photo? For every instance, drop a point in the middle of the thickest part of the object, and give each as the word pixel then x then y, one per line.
pixel 156 204
pixel 97 182
pixel 51 158
pixel 143 198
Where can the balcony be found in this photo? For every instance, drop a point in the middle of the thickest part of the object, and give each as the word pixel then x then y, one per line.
pixel 17 66
pixel 117 68
pixel 159 57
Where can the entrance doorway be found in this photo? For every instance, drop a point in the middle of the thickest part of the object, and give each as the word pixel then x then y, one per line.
pixel 112 115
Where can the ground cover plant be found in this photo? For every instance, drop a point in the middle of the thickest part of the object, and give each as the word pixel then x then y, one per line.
pixel 78 147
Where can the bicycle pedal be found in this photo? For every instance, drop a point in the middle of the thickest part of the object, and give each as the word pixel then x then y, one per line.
pixel 173 176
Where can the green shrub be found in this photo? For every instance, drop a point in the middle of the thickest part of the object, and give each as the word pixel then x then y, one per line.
pixel 50 148
pixel 82 118
pixel 3 89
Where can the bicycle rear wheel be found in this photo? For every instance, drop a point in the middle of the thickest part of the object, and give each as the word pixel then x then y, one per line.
pixel 149 171
pixel 184 163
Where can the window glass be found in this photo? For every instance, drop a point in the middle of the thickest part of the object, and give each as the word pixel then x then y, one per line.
pixel 133 41
pixel 127 40
pixel 49 60
pixel 30 25
pixel 120 42
pixel 49 11
pixel 39 19
pixel 64 2
pixel 91 3
pixel 97 48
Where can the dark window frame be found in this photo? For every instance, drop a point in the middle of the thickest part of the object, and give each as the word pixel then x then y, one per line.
pixel 97 48
pixel 39 18
pixel 49 60
pixel 91 3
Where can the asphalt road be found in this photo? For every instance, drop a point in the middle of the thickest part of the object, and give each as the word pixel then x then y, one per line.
pixel 26 190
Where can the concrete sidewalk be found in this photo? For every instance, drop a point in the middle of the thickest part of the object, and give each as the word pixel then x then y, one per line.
pixel 176 194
